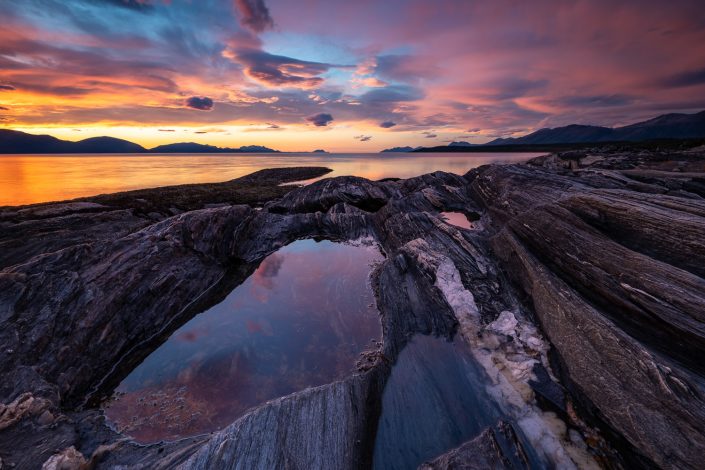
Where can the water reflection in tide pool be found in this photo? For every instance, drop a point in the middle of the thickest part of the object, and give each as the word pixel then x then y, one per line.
pixel 458 219
pixel 435 400
pixel 299 321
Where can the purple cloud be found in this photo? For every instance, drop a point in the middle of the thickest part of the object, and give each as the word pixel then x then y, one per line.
pixel 277 70
pixel 254 14
pixel 392 93
pixel 202 103
pixel 363 138
pixel 387 124
pixel 686 79
pixel 7 87
pixel 320 119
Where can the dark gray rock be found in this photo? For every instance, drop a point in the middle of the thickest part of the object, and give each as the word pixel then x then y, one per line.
pixel 497 448
pixel 606 261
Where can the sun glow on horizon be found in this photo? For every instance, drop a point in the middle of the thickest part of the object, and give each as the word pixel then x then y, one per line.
pixel 302 77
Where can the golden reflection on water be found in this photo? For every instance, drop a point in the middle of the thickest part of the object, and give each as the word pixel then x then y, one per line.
pixel 27 179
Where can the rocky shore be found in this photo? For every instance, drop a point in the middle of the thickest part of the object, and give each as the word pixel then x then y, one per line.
pixel 579 292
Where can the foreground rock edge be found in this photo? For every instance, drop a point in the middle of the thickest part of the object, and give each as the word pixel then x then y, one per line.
pixel 519 204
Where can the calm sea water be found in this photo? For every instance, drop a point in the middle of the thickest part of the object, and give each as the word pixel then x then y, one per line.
pixel 27 179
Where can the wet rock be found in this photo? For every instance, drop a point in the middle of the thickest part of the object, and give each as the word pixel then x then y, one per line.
pixel 602 252
pixel 623 311
pixel 68 459
pixel 549 394
pixel 497 448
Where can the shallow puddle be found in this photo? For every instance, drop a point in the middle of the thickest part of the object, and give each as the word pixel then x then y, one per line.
pixel 299 321
pixel 458 219
pixel 435 400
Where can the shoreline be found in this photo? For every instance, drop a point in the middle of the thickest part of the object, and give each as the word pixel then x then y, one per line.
pixel 547 289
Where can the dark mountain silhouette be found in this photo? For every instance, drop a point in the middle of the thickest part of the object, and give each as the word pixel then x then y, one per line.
pixel 188 147
pixel 21 142
pixel 257 149
pixel 400 149
pixel 574 133
pixel 461 143
pixel 192 147
pixel 667 126
pixel 107 145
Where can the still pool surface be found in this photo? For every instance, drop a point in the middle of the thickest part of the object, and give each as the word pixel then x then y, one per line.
pixel 299 321
pixel 458 219
pixel 27 179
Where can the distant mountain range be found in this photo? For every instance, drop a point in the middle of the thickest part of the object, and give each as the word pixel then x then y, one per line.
pixel 21 142
pixel 401 149
pixel 412 149
pixel 192 147
pixel 666 127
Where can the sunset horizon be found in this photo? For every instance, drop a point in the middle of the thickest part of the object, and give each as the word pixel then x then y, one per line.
pixel 352 235
pixel 231 73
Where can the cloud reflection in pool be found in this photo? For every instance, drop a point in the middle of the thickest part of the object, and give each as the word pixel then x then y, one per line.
pixel 300 320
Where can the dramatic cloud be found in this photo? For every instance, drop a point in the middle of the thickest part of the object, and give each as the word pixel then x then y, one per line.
pixel 446 67
pixel 404 68
pixel 200 102
pixel 686 79
pixel 320 119
pixel 3 108
pixel 593 101
pixel 363 138
pixel 281 71
pixel 254 14
pixel 392 93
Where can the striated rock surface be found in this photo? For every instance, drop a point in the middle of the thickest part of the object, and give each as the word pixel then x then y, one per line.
pixel 576 303
pixel 497 448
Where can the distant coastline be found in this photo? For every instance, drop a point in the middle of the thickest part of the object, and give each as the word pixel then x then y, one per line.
pixel 671 130
pixel 16 142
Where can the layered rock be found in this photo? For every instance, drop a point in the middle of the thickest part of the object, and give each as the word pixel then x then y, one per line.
pixel 604 258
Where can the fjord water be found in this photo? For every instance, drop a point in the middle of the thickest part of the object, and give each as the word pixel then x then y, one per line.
pixel 28 179
pixel 300 320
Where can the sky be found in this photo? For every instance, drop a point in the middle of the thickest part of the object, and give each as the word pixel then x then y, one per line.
pixel 355 76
